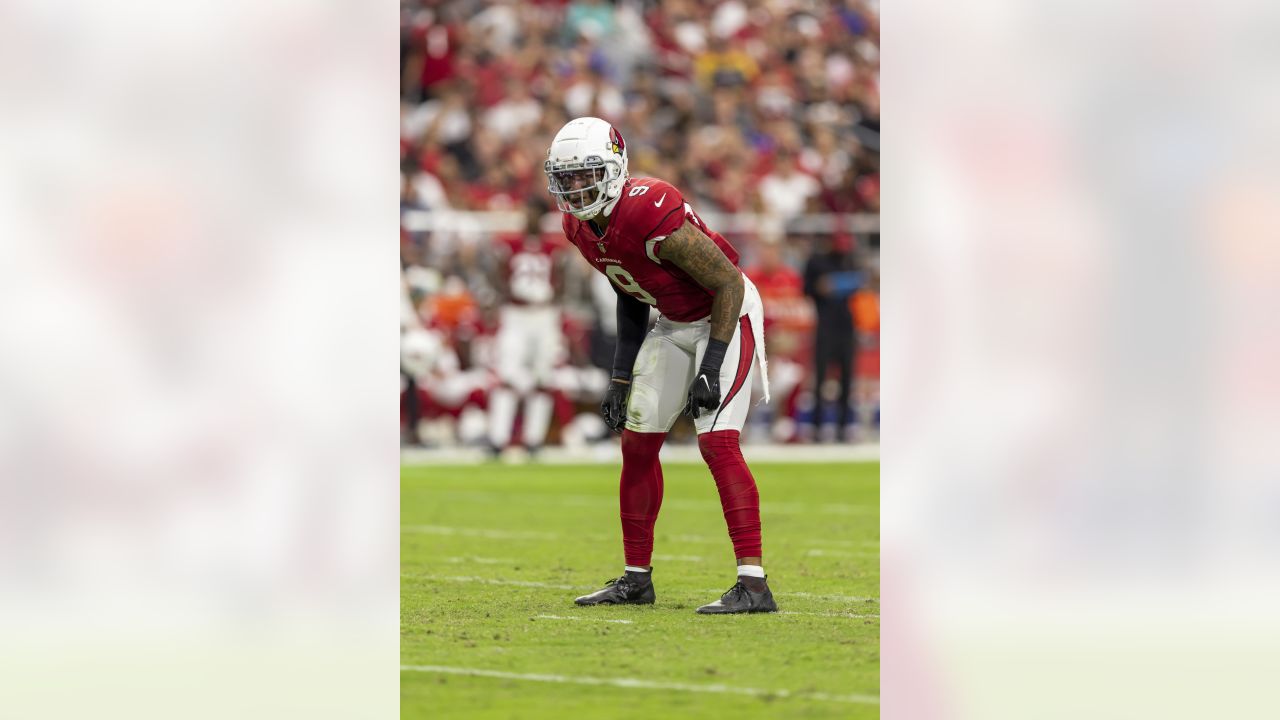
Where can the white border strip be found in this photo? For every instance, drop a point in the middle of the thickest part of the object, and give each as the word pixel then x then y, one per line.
pixel 636 683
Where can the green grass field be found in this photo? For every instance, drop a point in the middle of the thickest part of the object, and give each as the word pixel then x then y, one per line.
pixel 492 557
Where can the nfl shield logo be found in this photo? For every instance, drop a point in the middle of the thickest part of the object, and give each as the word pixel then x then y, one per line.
pixel 601 246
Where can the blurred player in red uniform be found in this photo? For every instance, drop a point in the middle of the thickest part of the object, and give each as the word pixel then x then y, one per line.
pixel 788 319
pixel 698 359
pixel 530 341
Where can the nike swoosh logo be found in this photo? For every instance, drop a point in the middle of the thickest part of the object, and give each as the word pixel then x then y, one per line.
pixel 658 202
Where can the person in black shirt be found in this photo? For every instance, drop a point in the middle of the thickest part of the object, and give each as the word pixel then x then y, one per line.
pixel 830 278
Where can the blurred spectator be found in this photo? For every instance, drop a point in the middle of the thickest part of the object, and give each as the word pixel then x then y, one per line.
pixel 786 191
pixel 813 66
pixel 724 65
pixel 592 19
pixel 515 112
pixel 421 189
pixel 773 277
pixel 865 305
pixel 445 119
pixel 830 279
pixel 594 96
pixel 787 324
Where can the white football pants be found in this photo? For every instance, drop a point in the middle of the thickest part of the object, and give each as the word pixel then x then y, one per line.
pixel 669 359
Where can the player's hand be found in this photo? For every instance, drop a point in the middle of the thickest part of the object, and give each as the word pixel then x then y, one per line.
pixel 614 407
pixel 704 394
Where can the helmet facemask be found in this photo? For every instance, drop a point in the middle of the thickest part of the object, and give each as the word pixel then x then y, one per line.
pixel 581 188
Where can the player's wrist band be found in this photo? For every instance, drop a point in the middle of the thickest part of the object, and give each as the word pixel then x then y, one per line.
pixel 713 358
pixel 621 376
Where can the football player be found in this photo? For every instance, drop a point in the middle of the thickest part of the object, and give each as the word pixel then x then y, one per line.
pixel 530 343
pixel 699 358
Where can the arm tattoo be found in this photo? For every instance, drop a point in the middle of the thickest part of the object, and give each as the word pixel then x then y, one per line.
pixel 695 253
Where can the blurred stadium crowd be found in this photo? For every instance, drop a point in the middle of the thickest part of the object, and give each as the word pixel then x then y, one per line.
pixel 764 113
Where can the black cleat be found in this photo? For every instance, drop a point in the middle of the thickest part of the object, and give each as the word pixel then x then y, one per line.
pixel 620 591
pixel 741 599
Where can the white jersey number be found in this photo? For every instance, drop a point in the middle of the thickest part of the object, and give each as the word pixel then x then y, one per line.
pixel 531 278
pixel 628 284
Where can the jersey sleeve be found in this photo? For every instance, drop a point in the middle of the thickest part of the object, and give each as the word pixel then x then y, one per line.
pixel 655 214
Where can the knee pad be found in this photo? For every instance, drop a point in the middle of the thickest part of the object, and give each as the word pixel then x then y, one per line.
pixel 642 447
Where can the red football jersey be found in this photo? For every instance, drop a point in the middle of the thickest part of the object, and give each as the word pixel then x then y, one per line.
pixel 648 211
pixel 530 270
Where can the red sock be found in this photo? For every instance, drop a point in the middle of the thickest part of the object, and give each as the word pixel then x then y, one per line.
pixel 738 495
pixel 640 494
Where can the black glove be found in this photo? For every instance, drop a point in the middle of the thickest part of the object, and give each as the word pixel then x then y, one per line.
pixel 704 393
pixel 614 407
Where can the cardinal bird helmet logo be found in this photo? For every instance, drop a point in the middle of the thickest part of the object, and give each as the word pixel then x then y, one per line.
pixel 615 141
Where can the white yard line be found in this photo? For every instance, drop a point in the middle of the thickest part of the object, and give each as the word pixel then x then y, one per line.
pixel 818 552
pixel 479 532
pixel 816 614
pixel 491 581
pixel 480 560
pixel 554 586
pixel 839 598
pixel 844 543
pixel 566 617
pixel 637 683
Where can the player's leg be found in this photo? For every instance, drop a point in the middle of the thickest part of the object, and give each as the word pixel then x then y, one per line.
pixel 410 409
pixel 513 379
pixel 662 372
pixel 537 418
pixel 844 357
pixel 821 353
pixel 656 399
pixel 719 435
pixel 502 415
pixel 545 338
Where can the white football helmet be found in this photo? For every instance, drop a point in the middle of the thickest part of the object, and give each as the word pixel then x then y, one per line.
pixel 420 351
pixel 586 167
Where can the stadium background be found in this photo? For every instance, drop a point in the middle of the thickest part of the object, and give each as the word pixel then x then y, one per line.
pixel 765 114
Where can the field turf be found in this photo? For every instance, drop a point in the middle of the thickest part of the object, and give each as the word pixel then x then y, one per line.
pixel 492 556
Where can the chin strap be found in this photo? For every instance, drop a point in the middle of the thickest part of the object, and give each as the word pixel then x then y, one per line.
pixel 608 207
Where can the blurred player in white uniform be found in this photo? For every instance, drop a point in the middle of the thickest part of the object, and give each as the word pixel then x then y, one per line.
pixel 447 397
pixel 530 341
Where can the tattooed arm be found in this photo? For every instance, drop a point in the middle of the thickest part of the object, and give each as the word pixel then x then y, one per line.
pixel 689 249
pixel 692 251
